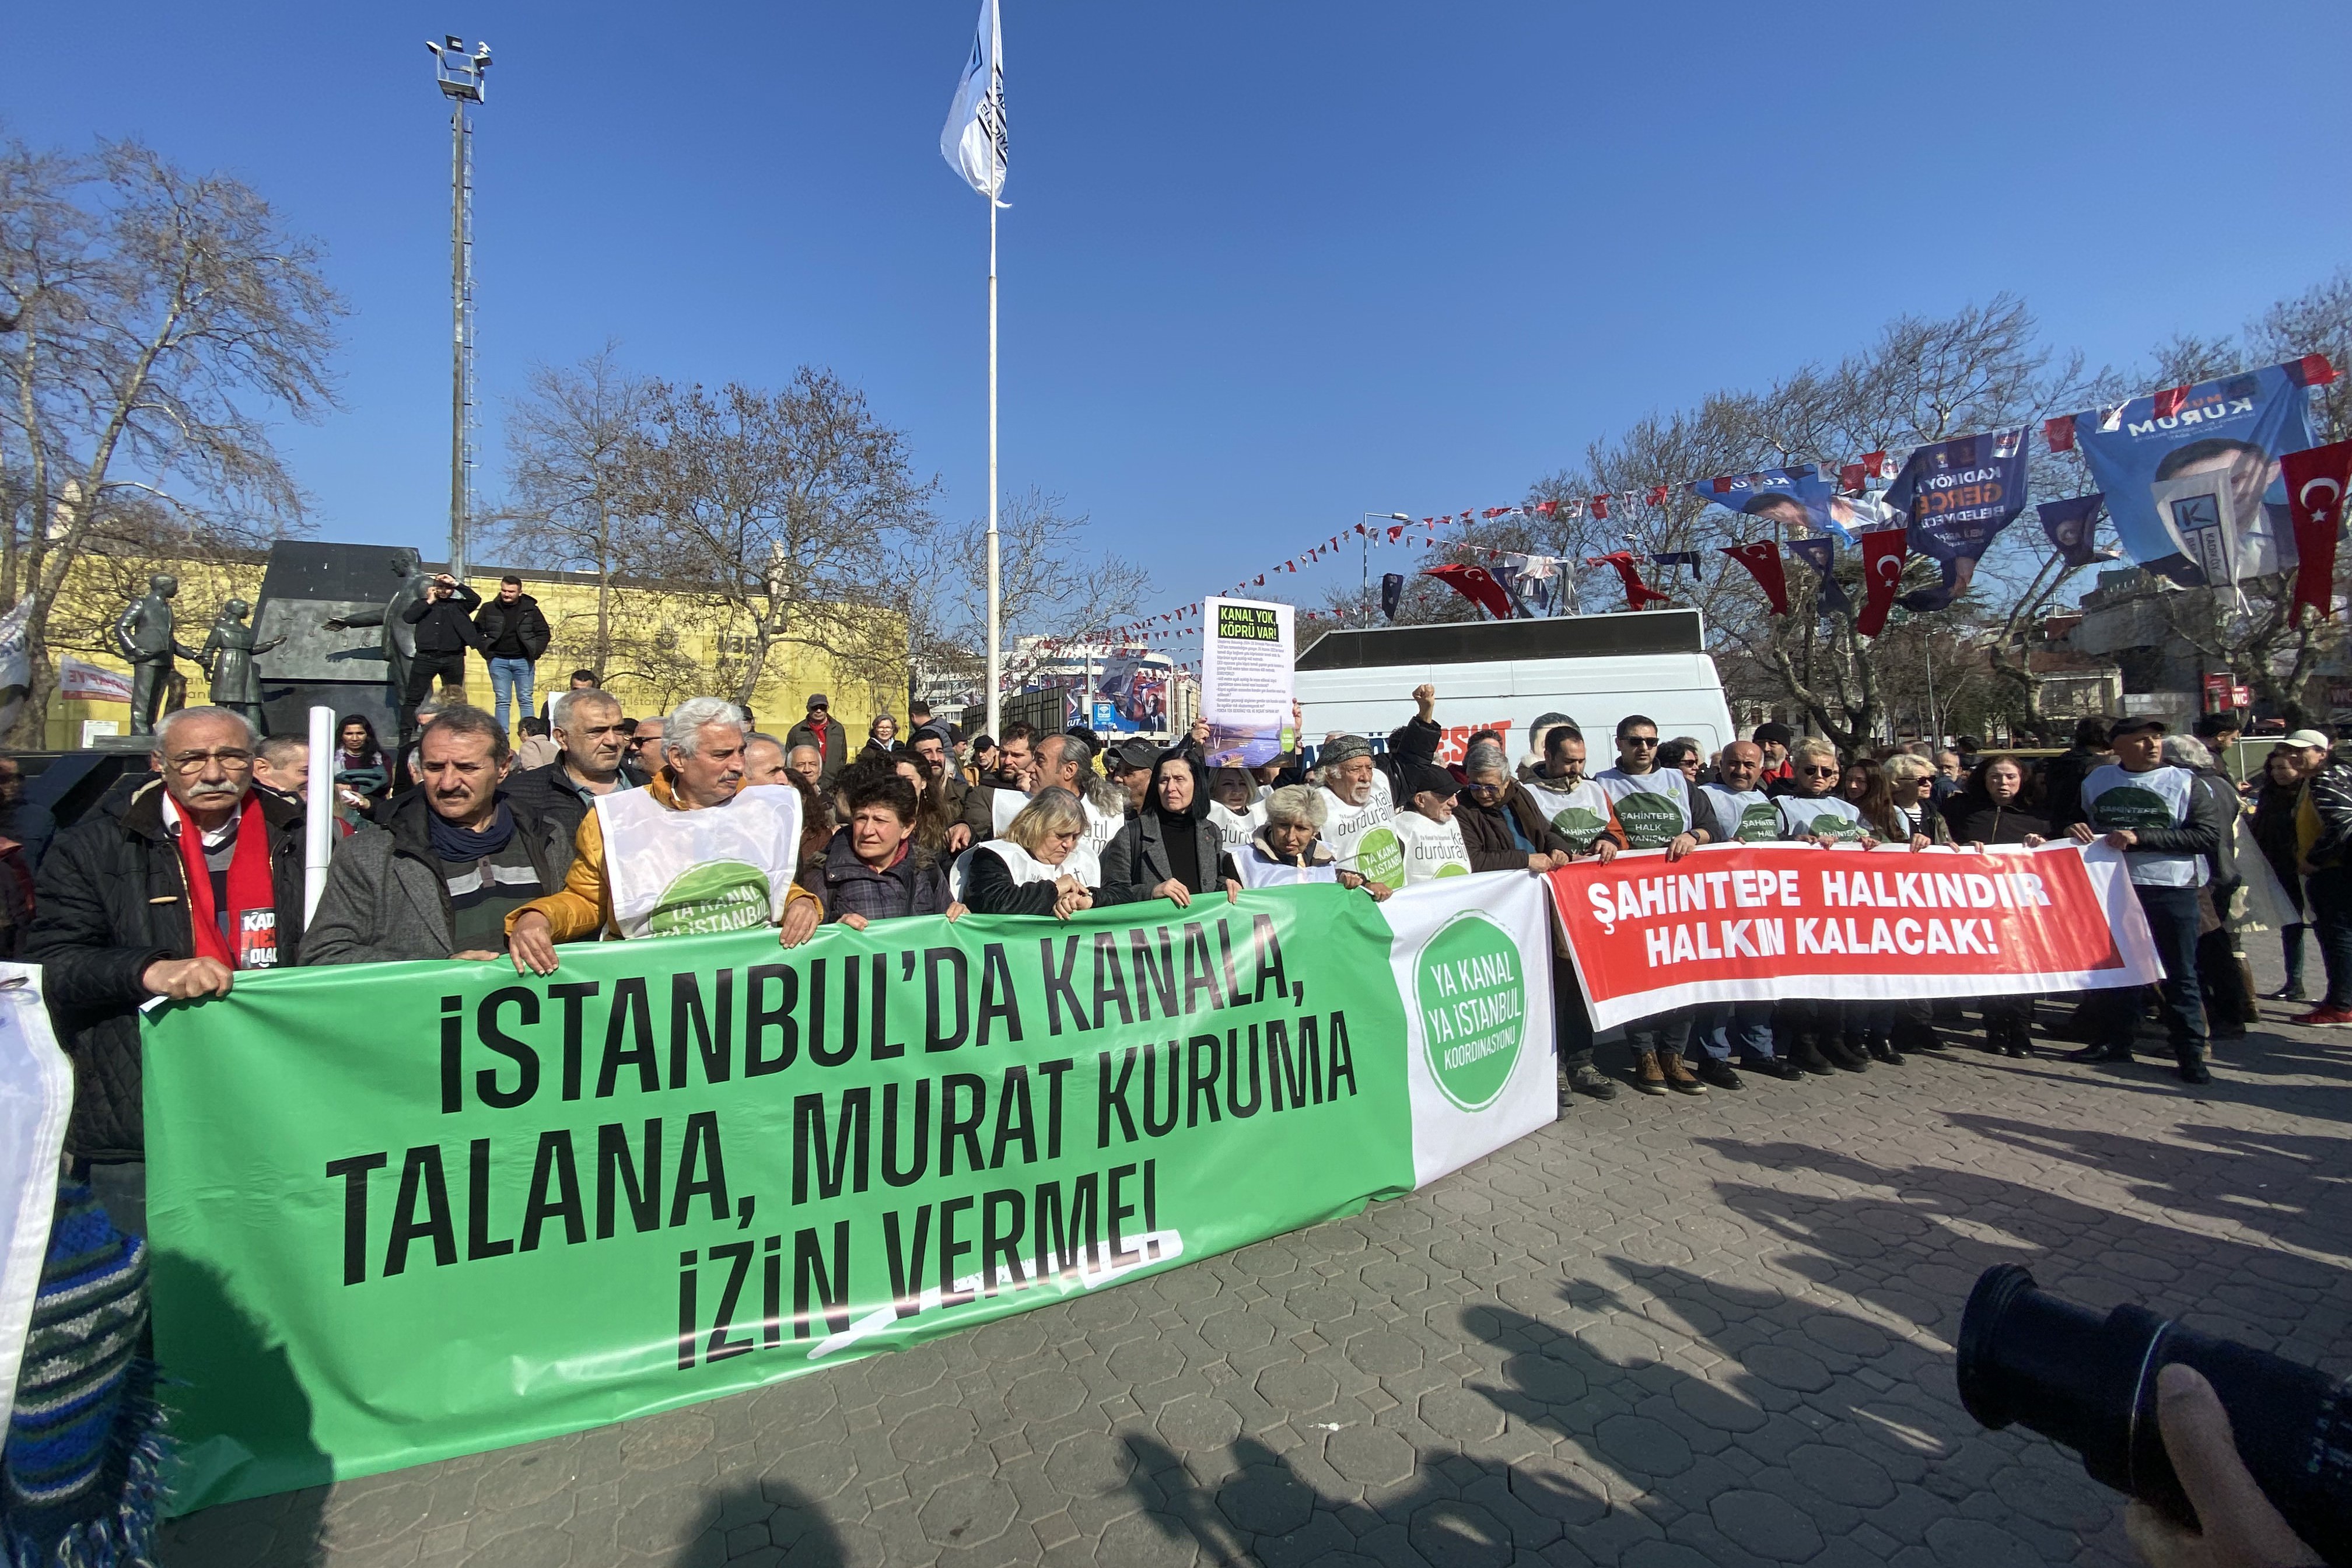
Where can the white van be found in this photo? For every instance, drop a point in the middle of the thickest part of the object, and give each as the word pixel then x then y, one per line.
pixel 1501 675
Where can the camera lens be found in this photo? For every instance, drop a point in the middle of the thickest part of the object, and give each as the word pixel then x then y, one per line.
pixel 2088 1381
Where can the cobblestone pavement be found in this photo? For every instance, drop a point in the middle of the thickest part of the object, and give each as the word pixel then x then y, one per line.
pixel 1661 1333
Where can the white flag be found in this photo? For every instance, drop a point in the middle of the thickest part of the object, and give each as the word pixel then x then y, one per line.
pixel 972 140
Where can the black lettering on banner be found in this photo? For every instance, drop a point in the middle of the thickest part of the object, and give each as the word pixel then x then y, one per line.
pixel 631 1015
pixel 615 1170
pixel 526 1060
pixel 1085 1223
pixel 719 1347
pixel 1110 1096
pixel 1059 993
pixel 907 1260
pixel 818 1055
pixel 1225 961
pixel 1052 1073
pixel 918 1141
pixel 1110 981
pixel 1015 1118
pixel 849 983
pixel 997 997
pixel 1343 1060
pixel 950 959
pixel 953 1126
pixel 848 1159
pixel 772 1292
pixel 950 1250
pixel 453 1054
pixel 700 1152
pixel 1120 1255
pixel 421 1177
pixel 882 1046
pixel 1152 979
pixel 1268 949
pixel 573 995
pixel 758 1016
pixel 1200 969
pixel 1000 1241
pixel 354 1170
pixel 1151 1207
pixel 479 1243
pixel 554 1163
pixel 1154 1123
pixel 831 1290
pixel 1233 1075
pixel 1302 1076
pixel 686 1319
pixel 1199 1084
pixel 716 1044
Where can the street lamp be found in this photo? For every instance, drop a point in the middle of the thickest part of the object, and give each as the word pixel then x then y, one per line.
pixel 464 79
pixel 1364 587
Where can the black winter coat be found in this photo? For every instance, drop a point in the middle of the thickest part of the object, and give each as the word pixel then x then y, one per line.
pixel 497 617
pixel 1487 835
pixel 549 794
pixel 446 625
pixel 113 899
pixel 1137 860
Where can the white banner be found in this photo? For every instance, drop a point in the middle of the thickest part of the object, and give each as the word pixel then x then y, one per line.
pixel 79 680
pixel 35 1094
pixel 723 868
pixel 1472 957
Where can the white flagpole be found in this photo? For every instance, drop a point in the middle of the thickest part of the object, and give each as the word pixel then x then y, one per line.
pixel 995 586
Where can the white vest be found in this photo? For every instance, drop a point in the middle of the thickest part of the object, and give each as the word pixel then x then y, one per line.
pixel 1236 828
pixel 1577 815
pixel 1740 817
pixel 1432 849
pixel 1255 869
pixel 723 868
pixel 1363 838
pixel 1659 808
pixel 1803 819
pixel 1026 867
pixel 2113 798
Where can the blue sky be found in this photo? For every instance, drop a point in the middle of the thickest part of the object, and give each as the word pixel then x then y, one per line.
pixel 1267 267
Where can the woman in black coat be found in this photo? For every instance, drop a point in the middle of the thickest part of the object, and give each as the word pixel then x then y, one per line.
pixel 1170 849
pixel 2275 805
pixel 1988 810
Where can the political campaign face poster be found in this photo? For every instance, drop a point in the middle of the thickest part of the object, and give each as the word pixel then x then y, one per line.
pixel 1130 696
pixel 1246 651
pixel 1798 500
pixel 2191 475
pixel 1954 497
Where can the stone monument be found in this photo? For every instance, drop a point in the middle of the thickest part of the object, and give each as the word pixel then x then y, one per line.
pixel 145 636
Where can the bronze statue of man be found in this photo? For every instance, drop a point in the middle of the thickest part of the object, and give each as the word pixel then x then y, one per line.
pixel 143 636
pixel 227 658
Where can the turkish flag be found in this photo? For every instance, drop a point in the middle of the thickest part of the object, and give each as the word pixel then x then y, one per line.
pixel 2059 433
pixel 1657 496
pixel 1762 560
pixel 2315 498
pixel 1882 550
pixel 1639 595
pixel 1476 584
pixel 1601 505
pixel 2168 401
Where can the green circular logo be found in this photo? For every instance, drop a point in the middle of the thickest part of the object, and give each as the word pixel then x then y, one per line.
pixel 1830 824
pixel 1453 868
pixel 1379 857
pixel 1760 823
pixel 1651 821
pixel 1474 1007
pixel 1578 826
pixel 2128 805
pixel 721 895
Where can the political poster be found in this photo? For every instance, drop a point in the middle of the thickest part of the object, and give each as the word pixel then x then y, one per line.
pixel 1800 500
pixel 1954 498
pixel 2191 475
pixel 1760 921
pixel 1247 667
pixel 509 1208
pixel 1130 696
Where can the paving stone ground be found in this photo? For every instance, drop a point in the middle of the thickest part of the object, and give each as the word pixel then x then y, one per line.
pixel 1662 1333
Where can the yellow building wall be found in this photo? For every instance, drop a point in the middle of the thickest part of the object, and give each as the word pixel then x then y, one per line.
pixel 664 646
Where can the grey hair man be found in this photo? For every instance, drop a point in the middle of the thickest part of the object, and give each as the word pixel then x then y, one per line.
pixel 593 733
pixel 764 762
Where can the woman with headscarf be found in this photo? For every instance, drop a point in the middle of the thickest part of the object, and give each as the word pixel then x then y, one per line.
pixel 1172 850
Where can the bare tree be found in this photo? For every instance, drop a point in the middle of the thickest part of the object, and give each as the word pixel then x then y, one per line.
pixel 570 439
pixel 153 315
pixel 1052 585
pixel 797 510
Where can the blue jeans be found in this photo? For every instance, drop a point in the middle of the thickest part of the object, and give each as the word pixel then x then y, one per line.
pixel 1728 1029
pixel 511 679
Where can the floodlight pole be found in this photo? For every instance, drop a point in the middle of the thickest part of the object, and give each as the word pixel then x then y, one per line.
pixel 463 80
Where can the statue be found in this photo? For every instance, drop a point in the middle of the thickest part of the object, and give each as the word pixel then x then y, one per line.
pixel 143 636
pixel 399 636
pixel 227 658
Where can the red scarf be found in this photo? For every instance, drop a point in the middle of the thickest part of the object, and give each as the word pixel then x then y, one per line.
pixel 252 893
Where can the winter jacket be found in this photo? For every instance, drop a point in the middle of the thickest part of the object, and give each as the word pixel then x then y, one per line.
pixel 2221 860
pixel 498 620
pixel 915 885
pixel 2062 783
pixel 386 899
pixel 1973 818
pixel 834 748
pixel 446 625
pixel 1486 833
pixel 548 792
pixel 1417 740
pixel 2274 810
pixel 2330 794
pixel 113 898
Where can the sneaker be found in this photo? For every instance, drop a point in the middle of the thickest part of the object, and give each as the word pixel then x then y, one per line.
pixel 1716 1073
pixel 2195 1072
pixel 1648 1076
pixel 1780 1068
pixel 1585 1080
pixel 2324 1017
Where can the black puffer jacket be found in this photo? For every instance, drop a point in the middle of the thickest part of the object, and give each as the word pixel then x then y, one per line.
pixel 113 899
pixel 523 618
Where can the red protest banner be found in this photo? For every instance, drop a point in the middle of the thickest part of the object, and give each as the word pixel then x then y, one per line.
pixel 1761 922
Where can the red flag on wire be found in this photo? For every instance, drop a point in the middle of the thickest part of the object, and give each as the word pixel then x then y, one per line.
pixel 2315 371
pixel 2059 433
pixel 1639 595
pixel 1396 532
pixel 1852 477
pixel 1476 584
pixel 2168 401
pixel 1547 507
pixel 1874 464
pixel 1601 506
pixel 2315 498
pixel 1656 496
pixel 1762 560
pixel 1723 485
pixel 1882 550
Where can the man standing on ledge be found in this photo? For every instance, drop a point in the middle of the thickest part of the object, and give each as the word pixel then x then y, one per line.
pixel 169 894
pixel 513 635
pixel 444 620
pixel 649 862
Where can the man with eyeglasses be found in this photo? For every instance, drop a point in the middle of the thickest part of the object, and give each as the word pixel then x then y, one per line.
pixel 170 892
pixel 1653 805
pixel 641 758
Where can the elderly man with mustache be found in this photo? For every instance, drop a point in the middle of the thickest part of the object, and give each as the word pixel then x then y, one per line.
pixel 168 894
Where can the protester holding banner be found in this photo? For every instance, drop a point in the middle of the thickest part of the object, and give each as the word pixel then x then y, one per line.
pixel 1813 809
pixel 1287 850
pixel 169 892
pixel 1735 810
pixel 1170 850
pixel 451 860
pixel 648 863
pixel 2166 826
pixel 1360 820
pixel 1653 805
pixel 1579 810
pixel 1990 809
pixel 1433 846
pixel 1026 870
pixel 874 868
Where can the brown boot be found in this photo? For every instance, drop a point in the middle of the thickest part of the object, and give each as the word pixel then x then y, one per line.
pixel 1647 1076
pixel 1679 1079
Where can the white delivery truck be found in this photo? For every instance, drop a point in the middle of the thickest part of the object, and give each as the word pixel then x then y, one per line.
pixel 1503 675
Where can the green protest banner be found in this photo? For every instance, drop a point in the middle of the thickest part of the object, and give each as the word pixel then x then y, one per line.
pixel 403 1212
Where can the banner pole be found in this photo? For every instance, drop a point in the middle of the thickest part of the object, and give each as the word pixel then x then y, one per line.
pixel 995 587
pixel 318 826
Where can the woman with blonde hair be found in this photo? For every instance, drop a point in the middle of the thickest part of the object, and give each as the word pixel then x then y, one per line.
pixel 1289 847
pixel 1020 871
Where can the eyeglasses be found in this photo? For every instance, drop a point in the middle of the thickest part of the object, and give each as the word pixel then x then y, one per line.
pixel 1637 740
pixel 1819 773
pixel 1477 788
pixel 228 757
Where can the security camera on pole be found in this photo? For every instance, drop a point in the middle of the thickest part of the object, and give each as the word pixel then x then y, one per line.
pixel 974 145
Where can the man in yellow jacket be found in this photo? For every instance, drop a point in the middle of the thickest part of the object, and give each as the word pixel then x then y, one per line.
pixel 702 768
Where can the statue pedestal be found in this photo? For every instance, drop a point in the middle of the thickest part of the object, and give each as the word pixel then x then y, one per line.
pixel 306 585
